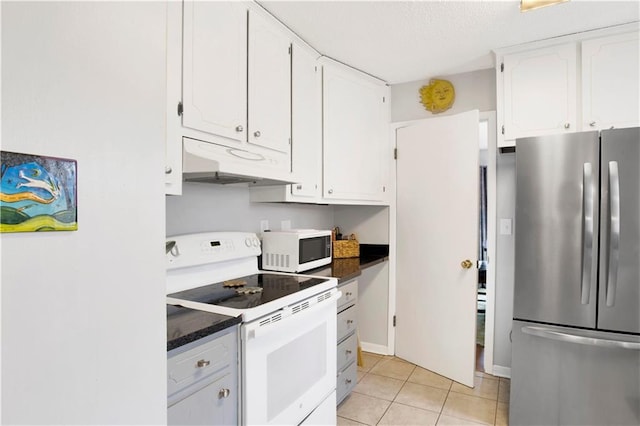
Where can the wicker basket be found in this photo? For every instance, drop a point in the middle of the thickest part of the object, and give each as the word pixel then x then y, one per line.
pixel 346 248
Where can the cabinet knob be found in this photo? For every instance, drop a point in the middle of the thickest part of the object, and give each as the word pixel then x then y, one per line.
pixel 203 363
pixel 239 128
pixel 224 393
pixel 330 191
pixel 257 133
pixel 168 170
pixel 567 125
pixel 592 124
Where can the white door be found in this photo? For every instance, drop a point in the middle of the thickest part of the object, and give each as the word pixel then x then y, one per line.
pixel 437 230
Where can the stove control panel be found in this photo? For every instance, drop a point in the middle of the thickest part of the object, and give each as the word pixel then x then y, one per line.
pixel 211 248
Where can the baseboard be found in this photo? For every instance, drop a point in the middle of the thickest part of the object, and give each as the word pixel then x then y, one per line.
pixel 500 371
pixel 374 348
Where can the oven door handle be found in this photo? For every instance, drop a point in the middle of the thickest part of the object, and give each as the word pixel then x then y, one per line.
pixel 262 326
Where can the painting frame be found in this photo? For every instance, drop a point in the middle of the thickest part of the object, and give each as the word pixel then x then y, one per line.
pixel 37 193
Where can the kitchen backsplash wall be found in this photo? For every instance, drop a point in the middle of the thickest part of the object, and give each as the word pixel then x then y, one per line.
pixel 205 207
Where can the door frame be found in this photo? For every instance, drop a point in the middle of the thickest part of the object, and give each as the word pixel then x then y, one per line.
pixel 490 118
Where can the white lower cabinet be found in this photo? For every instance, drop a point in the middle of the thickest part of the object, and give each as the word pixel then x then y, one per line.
pixel 347 348
pixel 202 381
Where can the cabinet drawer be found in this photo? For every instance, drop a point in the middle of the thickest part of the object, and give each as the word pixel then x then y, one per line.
pixel 346 381
pixel 349 294
pixel 347 351
pixel 200 362
pixel 346 322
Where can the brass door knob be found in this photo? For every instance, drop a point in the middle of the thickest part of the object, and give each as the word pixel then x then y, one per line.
pixel 466 264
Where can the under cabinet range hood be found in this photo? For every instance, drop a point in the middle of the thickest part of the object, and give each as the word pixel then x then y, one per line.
pixel 207 162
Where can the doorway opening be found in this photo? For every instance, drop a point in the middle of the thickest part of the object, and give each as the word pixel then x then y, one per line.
pixel 483 249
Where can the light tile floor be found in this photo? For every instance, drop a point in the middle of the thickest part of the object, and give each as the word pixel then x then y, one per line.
pixel 391 391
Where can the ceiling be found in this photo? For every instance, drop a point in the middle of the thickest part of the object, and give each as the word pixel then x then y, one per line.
pixel 402 41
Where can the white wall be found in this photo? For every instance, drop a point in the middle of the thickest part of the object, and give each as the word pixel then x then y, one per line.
pixel 83 313
pixel 369 223
pixel 209 207
pixel 474 90
pixel 506 209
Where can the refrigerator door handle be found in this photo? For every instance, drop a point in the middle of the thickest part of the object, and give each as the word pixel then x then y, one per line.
pixel 588 200
pixel 614 232
pixel 582 340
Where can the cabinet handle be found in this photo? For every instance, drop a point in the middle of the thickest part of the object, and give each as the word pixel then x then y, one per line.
pixel 567 125
pixel 168 170
pixel 203 363
pixel 347 381
pixel 224 393
pixel 349 321
pixel 257 133
pixel 348 351
pixel 348 294
pixel 330 191
pixel 239 128
pixel 298 186
pixel 592 124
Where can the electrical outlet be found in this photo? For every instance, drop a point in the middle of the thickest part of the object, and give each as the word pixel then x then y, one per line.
pixel 285 225
pixel 505 227
pixel 264 225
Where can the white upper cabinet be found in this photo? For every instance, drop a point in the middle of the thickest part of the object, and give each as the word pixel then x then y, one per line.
pixel 540 91
pixel 306 151
pixel 355 134
pixel 215 68
pixel 269 97
pixel 610 82
pixel 306 132
pixel 585 81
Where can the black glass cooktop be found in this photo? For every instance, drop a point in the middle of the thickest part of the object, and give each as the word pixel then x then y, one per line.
pixel 273 287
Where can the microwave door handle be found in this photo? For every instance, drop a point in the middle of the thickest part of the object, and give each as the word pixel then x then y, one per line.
pixel 614 232
pixel 588 200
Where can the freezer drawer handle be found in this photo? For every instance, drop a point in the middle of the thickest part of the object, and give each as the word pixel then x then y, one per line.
pixel 582 340
pixel 588 200
pixel 614 232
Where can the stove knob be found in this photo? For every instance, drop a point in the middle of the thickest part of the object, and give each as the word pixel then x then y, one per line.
pixel 247 241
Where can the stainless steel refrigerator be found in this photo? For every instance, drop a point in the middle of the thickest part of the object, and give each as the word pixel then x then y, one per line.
pixel 576 325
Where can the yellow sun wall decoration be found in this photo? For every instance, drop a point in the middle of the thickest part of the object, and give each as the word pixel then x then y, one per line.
pixel 437 96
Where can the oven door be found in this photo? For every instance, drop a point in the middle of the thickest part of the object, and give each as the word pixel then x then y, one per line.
pixel 289 364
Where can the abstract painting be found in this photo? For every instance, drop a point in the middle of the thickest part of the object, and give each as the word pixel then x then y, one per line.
pixel 37 193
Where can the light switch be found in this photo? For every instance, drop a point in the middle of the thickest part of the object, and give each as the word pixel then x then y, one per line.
pixel 505 227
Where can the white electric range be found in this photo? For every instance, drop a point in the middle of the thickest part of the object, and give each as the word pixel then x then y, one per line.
pixel 288 330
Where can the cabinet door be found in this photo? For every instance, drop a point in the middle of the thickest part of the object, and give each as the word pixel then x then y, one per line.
pixel 540 92
pixel 214 404
pixel 215 68
pixel 306 146
pixel 269 99
pixel 355 135
pixel 610 82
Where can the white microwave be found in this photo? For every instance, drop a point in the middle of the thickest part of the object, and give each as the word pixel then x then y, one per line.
pixel 295 250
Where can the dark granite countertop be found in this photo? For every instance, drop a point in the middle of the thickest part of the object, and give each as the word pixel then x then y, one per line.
pixel 349 268
pixel 186 325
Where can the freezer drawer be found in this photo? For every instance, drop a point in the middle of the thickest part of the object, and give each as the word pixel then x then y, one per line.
pixel 565 376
